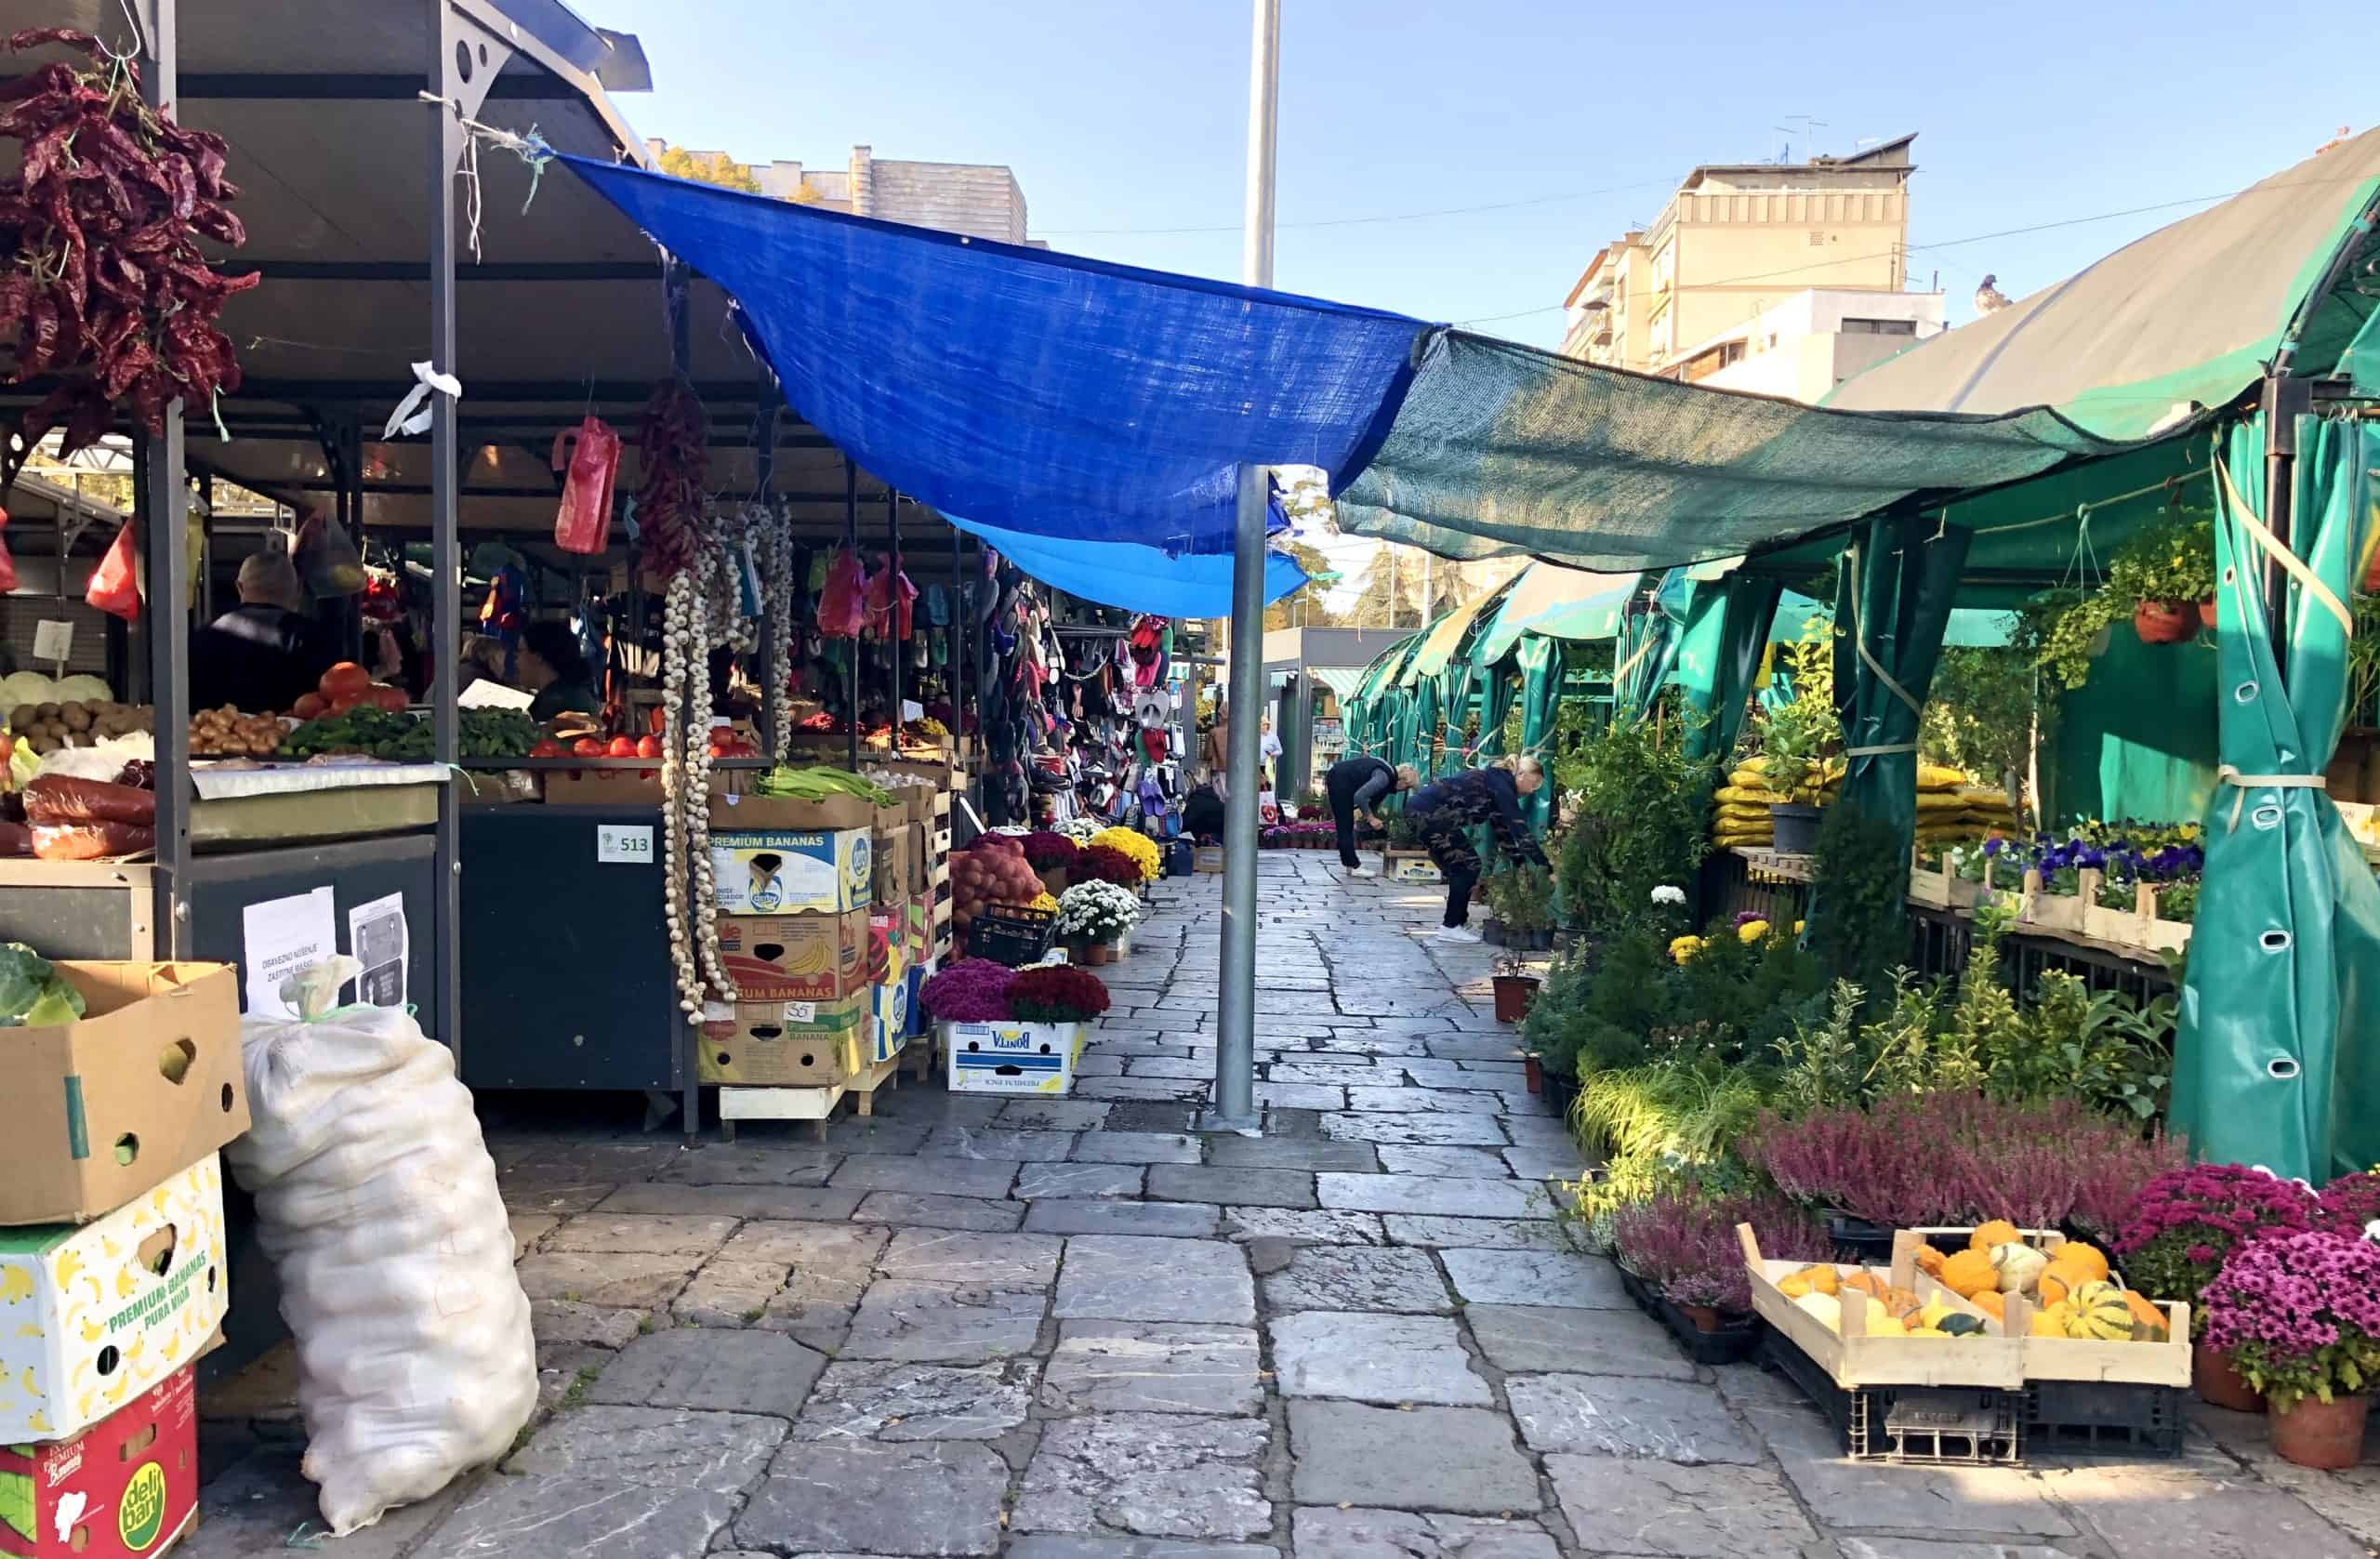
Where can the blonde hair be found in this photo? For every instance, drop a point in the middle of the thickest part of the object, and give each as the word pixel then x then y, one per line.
pixel 1408 777
pixel 1522 766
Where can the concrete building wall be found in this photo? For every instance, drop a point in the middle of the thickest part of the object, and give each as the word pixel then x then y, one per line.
pixel 982 200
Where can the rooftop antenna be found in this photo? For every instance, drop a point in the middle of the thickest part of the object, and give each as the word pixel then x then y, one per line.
pixel 1809 127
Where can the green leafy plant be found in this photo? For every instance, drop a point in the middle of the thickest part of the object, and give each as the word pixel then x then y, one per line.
pixel 1640 822
pixel 2168 561
pixel 1798 733
pixel 1522 897
pixel 32 993
pixel 2061 629
pixel 1979 714
pixel 1859 926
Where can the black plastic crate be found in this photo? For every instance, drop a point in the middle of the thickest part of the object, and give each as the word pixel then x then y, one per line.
pixel 1012 935
pixel 2094 1418
pixel 1972 1426
pixel 1731 1343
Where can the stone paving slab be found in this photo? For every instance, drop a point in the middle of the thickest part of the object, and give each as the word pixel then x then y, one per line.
pixel 1075 1216
pixel 1545 1340
pixel 1136 1147
pixel 1606 1415
pixel 1331 1533
pixel 942 1322
pixel 1152 1367
pixel 733 1201
pixel 1459 1459
pixel 1358 1277
pixel 1037 1180
pixel 573 1517
pixel 1112 1277
pixel 652 1447
pixel 749 1164
pixel 1417 1128
pixel 1230 1187
pixel 861 1399
pixel 720 1371
pixel 1375 1358
pixel 1551 1277
pixel 620 1279
pixel 975 1176
pixel 1152 1474
pixel 1691 1512
pixel 993 1260
pixel 1444 1198
pixel 940 1498
pixel 603 1233
pixel 1279 1153
pixel 932 1212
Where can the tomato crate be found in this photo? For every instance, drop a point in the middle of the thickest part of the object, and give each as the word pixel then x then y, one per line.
pixel 1976 1426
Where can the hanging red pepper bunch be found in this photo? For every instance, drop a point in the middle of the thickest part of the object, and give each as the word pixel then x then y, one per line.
pixel 673 455
pixel 100 227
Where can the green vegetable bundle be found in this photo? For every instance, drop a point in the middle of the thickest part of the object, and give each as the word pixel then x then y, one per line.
pixel 498 733
pixel 818 784
pixel 32 994
pixel 373 732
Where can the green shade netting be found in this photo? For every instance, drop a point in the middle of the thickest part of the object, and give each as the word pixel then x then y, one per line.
pixel 1971 627
pixel 1892 605
pixel 1504 448
pixel 1556 602
pixel 2278 1062
pixel 2139 739
pixel 1496 694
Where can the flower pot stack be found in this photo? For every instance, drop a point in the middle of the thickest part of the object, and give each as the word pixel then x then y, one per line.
pixel 125 1080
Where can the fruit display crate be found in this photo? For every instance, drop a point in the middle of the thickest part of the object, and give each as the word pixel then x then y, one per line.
pixel 1852 1359
pixel 1011 934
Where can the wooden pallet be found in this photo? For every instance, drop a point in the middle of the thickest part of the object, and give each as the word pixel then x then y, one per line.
pixel 746 1102
pixel 1767 865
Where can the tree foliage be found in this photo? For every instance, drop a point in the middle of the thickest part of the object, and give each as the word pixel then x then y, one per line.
pixel 714 167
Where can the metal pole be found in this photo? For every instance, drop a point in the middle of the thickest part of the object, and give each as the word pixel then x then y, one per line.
pixel 1235 1101
pixel 764 480
pixel 851 539
pixel 892 614
pixel 446 139
pixel 164 497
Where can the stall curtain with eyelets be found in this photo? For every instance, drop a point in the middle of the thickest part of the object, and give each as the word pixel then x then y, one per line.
pixel 1543 665
pixel 1726 643
pixel 1895 597
pixel 2278 1062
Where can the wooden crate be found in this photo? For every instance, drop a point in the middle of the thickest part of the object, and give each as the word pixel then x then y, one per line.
pixel 745 1102
pixel 1854 1360
pixel 2075 1358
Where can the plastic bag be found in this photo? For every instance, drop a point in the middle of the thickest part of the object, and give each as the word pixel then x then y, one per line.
pixel 91 842
pixel 7 563
pixel 584 522
pixel 842 602
pixel 327 560
pixel 56 798
pixel 115 584
pixel 377 1204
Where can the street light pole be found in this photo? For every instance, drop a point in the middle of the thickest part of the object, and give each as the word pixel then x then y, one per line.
pixel 1235 1101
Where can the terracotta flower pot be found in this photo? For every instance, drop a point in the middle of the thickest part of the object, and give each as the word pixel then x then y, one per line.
pixel 1514 993
pixel 2164 622
pixel 1533 1072
pixel 2219 1382
pixel 1091 954
pixel 2324 1435
pixel 2206 613
pixel 1705 1319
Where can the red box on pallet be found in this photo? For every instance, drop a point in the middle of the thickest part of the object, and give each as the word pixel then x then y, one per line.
pixel 124 1488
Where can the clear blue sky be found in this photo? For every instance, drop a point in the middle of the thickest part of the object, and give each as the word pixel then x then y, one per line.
pixel 1131 115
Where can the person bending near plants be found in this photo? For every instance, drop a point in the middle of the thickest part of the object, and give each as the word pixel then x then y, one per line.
pixel 1356 787
pixel 1443 811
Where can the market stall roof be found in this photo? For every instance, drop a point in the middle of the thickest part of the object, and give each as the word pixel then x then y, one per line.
pixel 1342 680
pixel 1443 638
pixel 1971 627
pixel 1135 579
pixel 1501 449
pixel 1032 391
pixel 1573 602
pixel 2181 320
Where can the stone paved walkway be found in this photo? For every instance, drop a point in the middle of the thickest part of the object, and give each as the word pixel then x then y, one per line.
pixel 1071 1330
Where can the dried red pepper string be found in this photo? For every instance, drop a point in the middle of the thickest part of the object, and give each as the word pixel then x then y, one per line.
pixel 673 455
pixel 112 291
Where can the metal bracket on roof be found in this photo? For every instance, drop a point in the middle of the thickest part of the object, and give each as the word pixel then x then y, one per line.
pixel 467 75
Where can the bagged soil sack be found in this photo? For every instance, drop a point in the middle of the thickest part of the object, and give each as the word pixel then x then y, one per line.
pixel 377 1204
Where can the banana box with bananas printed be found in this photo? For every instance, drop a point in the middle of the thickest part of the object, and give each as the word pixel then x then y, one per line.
pixel 796 958
pixel 793 872
pixel 91 1315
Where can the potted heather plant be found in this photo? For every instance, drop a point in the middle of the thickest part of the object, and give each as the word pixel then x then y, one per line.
pixel 2180 1233
pixel 2298 1315
pixel 1093 917
pixel 1056 993
pixel 1681 1245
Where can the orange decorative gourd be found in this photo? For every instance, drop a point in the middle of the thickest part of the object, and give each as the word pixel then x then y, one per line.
pixel 2089 1258
pixel 1993 1303
pixel 1998 1232
pixel 1969 1273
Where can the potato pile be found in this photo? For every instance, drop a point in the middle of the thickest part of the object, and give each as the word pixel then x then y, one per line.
pixel 46 728
pixel 226 733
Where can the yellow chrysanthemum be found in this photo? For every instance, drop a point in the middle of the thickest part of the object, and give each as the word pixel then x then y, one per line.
pixel 1043 901
pixel 1751 930
pixel 1684 947
pixel 1138 846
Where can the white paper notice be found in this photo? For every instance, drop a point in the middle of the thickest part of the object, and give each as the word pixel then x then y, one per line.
pixel 489 694
pixel 278 938
pixel 376 935
pixel 53 640
pixel 911 710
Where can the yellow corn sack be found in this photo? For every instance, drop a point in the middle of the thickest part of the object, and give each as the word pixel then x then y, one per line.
pixel 1752 795
pixel 1936 776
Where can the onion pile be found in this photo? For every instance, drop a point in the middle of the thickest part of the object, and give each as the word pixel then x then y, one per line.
pixel 991 871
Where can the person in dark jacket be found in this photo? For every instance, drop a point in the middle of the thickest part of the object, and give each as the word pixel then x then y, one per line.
pixel 1445 810
pixel 1356 786
pixel 264 653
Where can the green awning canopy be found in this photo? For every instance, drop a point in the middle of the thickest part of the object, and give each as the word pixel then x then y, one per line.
pixel 1442 639
pixel 1971 627
pixel 1342 680
pixel 1540 594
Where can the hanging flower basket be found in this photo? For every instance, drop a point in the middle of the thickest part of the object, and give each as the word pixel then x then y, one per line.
pixel 2206 613
pixel 2164 622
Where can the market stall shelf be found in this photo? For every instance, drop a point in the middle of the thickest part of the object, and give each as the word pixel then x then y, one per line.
pixel 816 1105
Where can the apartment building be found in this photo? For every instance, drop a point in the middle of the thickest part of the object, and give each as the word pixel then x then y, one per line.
pixel 1805 264
pixel 982 200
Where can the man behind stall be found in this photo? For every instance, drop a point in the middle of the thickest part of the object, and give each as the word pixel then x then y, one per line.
pixel 265 653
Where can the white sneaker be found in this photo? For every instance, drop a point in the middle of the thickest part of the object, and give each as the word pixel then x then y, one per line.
pixel 1361 871
pixel 1457 933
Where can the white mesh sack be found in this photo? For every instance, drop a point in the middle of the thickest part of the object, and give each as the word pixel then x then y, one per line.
pixel 377 1203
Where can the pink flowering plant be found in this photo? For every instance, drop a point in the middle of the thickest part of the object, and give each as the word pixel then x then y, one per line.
pixel 971 991
pixel 2350 1205
pixel 1682 1242
pixel 2298 1314
pixel 2188 1221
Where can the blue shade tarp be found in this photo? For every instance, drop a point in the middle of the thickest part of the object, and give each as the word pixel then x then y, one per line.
pixel 1134 578
pixel 1029 391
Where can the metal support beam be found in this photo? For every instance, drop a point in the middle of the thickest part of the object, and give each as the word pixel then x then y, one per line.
pixel 892 616
pixel 2285 400
pixel 961 631
pixel 851 539
pixel 164 497
pixel 410 272
pixel 320 87
pixel 1235 1101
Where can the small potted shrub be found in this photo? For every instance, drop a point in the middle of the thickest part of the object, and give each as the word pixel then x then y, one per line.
pixel 1516 993
pixel 1797 735
pixel 1050 855
pixel 1093 917
pixel 2298 1315
pixel 1521 899
pixel 2180 1233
